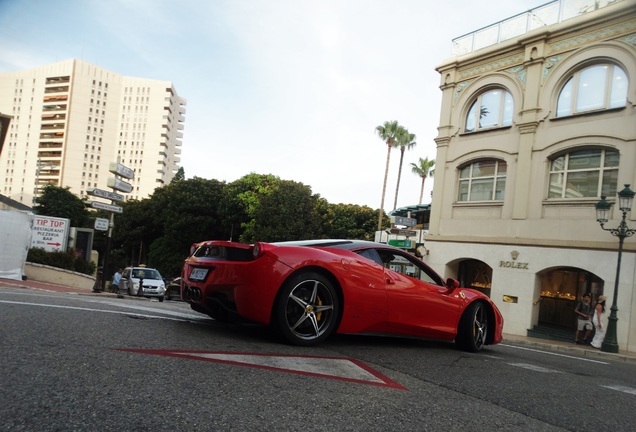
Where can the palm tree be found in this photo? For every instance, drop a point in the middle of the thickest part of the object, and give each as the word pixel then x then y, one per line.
pixel 423 169
pixel 406 141
pixel 388 132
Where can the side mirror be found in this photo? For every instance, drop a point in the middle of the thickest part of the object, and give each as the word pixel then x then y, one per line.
pixel 452 284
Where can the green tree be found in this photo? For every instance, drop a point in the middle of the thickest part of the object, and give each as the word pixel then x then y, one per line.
pixel 179 175
pixel 423 169
pixel 405 141
pixel 388 132
pixel 187 212
pixel 348 221
pixel 135 229
pixel 287 212
pixel 241 202
pixel 61 202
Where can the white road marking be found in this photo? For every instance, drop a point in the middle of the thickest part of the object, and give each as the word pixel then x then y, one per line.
pixel 556 354
pixel 92 310
pixel 534 368
pixel 621 388
pixel 322 366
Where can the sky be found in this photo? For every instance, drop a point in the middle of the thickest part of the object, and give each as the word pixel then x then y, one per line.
pixel 293 88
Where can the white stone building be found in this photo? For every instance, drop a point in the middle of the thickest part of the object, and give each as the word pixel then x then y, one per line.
pixel 537 123
pixel 71 119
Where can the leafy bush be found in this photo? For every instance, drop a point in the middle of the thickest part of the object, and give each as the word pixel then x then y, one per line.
pixel 64 260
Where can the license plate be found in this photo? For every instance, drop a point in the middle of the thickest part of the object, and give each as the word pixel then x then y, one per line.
pixel 198 274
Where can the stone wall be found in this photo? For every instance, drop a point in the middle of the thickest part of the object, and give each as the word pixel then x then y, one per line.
pixel 43 273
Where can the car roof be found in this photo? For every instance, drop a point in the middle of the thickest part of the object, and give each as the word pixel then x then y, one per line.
pixel 335 243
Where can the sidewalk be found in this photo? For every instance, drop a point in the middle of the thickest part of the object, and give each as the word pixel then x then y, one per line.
pixel 567 348
pixel 564 348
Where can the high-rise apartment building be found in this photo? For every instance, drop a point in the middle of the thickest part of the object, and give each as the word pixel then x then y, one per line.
pixel 71 119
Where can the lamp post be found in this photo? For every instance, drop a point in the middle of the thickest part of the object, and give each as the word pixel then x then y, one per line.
pixel 625 200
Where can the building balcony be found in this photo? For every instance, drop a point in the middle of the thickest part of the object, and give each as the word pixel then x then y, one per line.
pixel 49 126
pixel 55 98
pixel 542 16
pixel 56 107
pixel 52 135
pixel 53 117
pixel 58 80
pixel 56 89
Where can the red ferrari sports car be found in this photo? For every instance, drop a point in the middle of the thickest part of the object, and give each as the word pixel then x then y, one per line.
pixel 307 290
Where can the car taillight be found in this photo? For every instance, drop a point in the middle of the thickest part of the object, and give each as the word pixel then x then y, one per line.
pixel 257 250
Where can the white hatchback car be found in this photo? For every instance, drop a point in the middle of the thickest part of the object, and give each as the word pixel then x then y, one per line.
pixel 152 285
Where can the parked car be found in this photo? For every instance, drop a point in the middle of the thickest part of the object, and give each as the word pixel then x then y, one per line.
pixel 173 289
pixel 308 290
pixel 153 284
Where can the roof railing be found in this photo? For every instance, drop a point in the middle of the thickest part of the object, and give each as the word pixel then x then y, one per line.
pixel 548 14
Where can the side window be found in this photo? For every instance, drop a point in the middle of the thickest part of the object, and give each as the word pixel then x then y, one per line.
pixel 598 87
pixel 126 273
pixel 370 254
pixel 410 266
pixel 588 173
pixel 482 181
pixel 490 109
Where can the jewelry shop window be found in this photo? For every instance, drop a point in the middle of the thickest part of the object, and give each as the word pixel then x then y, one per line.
pixel 482 181
pixel 596 87
pixel 587 173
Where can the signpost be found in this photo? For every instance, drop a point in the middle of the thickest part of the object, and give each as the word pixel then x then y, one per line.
pixel 107 207
pixel 105 194
pixel 121 170
pixel 119 185
pixel 50 233
pixel 404 221
pixel 102 224
pixel 402 244
pixel 403 232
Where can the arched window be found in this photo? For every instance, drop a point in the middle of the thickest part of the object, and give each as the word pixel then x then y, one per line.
pixel 586 173
pixel 597 87
pixel 491 109
pixel 482 181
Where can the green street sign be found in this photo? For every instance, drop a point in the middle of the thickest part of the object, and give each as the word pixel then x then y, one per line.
pixel 402 244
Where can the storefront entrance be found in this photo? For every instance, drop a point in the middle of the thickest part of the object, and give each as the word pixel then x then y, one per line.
pixel 561 289
pixel 475 274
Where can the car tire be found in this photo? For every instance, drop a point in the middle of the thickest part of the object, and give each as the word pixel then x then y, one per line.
pixel 167 296
pixel 472 332
pixel 161 298
pixel 307 309
pixel 130 291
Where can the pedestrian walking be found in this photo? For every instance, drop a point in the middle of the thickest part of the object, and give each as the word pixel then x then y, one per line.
pixel 584 322
pixel 600 322
pixel 116 279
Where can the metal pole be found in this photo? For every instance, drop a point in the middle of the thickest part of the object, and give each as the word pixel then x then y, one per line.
pixel 107 251
pixel 610 343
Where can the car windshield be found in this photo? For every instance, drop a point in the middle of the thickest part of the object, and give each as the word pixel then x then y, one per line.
pixel 146 274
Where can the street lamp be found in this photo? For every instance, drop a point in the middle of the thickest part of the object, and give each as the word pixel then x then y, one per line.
pixel 625 200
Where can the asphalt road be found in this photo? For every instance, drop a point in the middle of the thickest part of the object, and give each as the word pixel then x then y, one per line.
pixel 79 363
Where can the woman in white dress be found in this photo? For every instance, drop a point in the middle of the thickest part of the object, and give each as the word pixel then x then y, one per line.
pixel 600 322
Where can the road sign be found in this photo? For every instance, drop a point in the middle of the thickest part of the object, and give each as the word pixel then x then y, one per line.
pixel 399 220
pixel 50 233
pixel 105 194
pixel 402 244
pixel 121 170
pixel 119 185
pixel 101 224
pixel 107 207
pixel 404 232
